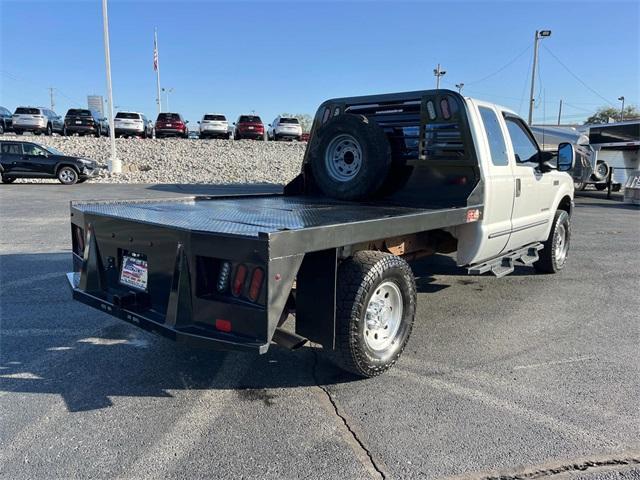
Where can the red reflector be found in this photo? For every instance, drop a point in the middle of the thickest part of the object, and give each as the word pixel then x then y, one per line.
pixel 256 284
pixel 223 325
pixel 238 280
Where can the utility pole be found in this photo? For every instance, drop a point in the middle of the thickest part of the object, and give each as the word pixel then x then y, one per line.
pixel 438 73
pixel 156 67
pixel 560 112
pixel 53 103
pixel 459 86
pixel 167 91
pixel 114 163
pixel 621 109
pixel 539 35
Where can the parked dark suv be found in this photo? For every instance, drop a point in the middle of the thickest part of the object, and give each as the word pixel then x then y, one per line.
pixel 5 120
pixel 83 121
pixel 171 125
pixel 249 126
pixel 31 160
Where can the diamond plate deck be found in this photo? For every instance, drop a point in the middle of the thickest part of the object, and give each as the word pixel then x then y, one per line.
pixel 246 216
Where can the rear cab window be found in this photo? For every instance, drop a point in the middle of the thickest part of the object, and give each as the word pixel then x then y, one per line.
pixel 128 116
pixel 293 121
pixel 169 117
pixel 77 112
pixel 497 146
pixel 219 118
pixel 249 119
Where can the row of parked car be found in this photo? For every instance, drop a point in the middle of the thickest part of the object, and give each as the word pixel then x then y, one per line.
pixel 88 122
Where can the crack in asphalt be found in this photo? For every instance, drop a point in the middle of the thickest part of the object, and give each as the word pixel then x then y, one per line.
pixel 573 467
pixel 372 463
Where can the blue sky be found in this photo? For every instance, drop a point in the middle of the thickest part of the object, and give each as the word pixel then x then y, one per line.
pixel 273 57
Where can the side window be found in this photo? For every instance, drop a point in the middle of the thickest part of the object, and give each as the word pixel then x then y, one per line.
pixel 524 146
pixel 497 146
pixel 13 148
pixel 31 149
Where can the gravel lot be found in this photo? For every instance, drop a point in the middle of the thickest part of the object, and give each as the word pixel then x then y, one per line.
pixel 174 160
pixel 529 376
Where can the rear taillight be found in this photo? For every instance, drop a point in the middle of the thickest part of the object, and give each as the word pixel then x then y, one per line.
pixel 256 284
pixel 223 278
pixel 77 240
pixel 223 325
pixel 239 278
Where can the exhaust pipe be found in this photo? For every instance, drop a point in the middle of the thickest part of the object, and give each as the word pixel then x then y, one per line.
pixel 288 339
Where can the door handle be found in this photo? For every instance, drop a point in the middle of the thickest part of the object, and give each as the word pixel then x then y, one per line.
pixel 518 187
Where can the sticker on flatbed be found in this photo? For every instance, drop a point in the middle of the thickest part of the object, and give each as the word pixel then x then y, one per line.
pixel 134 272
pixel 473 215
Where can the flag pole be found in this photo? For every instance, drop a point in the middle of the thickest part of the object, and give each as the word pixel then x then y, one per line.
pixel 156 65
pixel 114 163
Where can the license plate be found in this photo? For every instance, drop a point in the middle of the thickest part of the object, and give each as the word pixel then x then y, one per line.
pixel 250 128
pixel 78 122
pixel 167 124
pixel 134 272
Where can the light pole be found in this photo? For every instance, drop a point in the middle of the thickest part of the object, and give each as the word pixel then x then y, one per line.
pixel 114 163
pixel 438 73
pixel 167 91
pixel 539 35
pixel 622 109
pixel 459 86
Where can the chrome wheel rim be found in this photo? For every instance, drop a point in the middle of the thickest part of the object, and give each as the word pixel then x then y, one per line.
pixel 67 175
pixel 602 170
pixel 383 316
pixel 343 158
pixel 562 244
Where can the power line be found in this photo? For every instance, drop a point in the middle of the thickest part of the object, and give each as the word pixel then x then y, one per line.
pixel 576 76
pixel 505 66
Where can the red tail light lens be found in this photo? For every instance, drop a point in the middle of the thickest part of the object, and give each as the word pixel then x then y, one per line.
pixel 223 325
pixel 238 280
pixel 256 284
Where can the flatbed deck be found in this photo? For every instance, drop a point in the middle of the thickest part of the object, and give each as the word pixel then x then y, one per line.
pixel 291 224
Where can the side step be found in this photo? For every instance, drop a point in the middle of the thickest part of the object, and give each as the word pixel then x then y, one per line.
pixel 505 264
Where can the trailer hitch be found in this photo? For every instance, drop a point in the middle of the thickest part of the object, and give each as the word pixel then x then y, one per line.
pixel 136 301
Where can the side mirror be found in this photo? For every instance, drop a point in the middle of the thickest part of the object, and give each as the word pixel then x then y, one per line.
pixel 198 121
pixel 269 124
pixel 566 157
pixel 187 121
pixel 234 123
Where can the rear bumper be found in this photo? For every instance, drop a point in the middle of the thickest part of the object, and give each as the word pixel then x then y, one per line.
pixel 129 130
pixel 29 127
pixel 169 132
pixel 81 128
pixel 250 134
pixel 189 336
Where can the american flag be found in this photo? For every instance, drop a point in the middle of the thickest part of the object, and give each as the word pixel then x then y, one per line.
pixel 155 54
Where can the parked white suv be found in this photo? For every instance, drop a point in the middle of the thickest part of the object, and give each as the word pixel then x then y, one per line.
pixel 132 124
pixel 285 128
pixel 37 120
pixel 214 125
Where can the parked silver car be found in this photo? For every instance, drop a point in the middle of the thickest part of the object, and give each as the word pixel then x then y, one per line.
pixel 214 125
pixel 285 128
pixel 37 120
pixel 132 124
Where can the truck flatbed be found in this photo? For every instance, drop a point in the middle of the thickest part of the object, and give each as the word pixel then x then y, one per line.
pixel 290 221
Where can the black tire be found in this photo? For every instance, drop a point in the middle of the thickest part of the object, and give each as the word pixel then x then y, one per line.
pixel 98 133
pixel 49 131
pixel 601 171
pixel 1 128
pixel 8 179
pixel 64 131
pixel 553 256
pixel 600 186
pixel 361 277
pixel 18 132
pixel 37 132
pixel 350 157
pixel 616 187
pixel 579 186
pixel 67 175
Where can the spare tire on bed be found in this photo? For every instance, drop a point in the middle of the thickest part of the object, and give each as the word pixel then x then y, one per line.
pixel 350 157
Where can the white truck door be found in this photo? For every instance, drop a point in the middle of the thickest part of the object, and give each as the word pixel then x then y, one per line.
pixel 533 197
pixel 490 236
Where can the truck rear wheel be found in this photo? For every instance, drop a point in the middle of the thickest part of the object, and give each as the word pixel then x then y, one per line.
pixel 375 309
pixel 553 255
pixel 350 157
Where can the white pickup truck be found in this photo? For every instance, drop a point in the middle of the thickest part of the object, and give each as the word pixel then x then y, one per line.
pixel 385 179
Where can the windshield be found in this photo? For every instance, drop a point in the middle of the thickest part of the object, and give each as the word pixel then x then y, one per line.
pixel 130 116
pixel 250 119
pixel 27 111
pixel 78 112
pixel 289 120
pixel 55 151
pixel 215 117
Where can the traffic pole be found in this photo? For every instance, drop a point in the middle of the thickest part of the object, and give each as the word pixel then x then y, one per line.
pixel 114 163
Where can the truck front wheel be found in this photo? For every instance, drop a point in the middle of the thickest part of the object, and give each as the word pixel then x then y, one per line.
pixel 375 309
pixel 553 255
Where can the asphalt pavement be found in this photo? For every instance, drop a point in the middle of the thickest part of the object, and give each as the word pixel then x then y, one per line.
pixel 528 376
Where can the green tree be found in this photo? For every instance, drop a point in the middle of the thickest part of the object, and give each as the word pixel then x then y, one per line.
pixel 603 114
pixel 305 119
